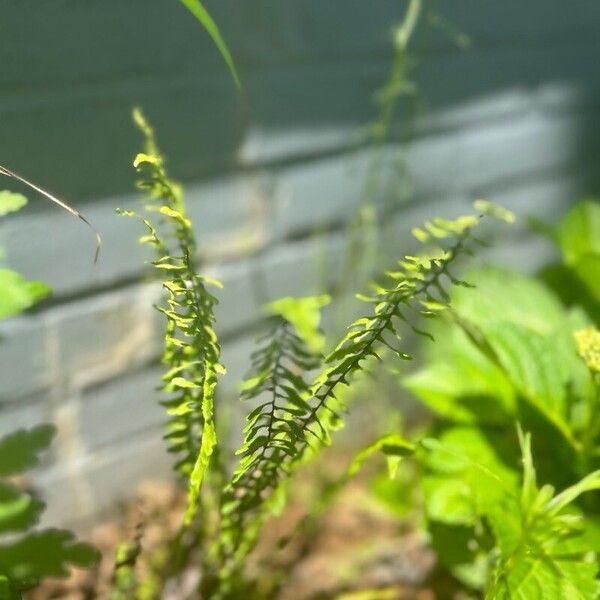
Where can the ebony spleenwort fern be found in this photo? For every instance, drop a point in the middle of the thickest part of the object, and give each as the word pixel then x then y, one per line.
pixel 296 418
pixel 272 432
pixel 312 413
pixel 191 350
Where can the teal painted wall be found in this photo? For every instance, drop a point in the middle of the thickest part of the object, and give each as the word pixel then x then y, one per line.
pixel 513 118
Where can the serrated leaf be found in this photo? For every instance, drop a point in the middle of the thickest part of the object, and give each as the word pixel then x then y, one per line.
pixel 578 236
pixel 18 511
pixel 19 294
pixel 48 553
pixel 533 365
pixel 19 450
pixel 460 383
pixel 499 294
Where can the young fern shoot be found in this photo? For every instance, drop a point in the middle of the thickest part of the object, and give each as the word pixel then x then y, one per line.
pixel 191 350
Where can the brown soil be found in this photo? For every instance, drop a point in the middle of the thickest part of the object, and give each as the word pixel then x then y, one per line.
pixel 354 551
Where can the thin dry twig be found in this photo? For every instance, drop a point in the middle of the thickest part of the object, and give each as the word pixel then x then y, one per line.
pixel 8 173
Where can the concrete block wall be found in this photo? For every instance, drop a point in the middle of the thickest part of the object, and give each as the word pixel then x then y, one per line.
pixel 513 119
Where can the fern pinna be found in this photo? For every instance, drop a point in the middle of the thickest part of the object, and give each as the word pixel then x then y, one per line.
pixel 310 413
pixel 191 349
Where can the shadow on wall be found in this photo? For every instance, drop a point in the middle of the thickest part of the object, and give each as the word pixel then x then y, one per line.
pixel 72 71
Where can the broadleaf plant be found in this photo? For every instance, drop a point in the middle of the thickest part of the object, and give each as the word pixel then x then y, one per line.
pixel 18 294
pixel 29 555
pixel 510 351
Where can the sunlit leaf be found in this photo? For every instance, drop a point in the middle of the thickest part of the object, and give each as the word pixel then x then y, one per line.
pixel 578 236
pixel 11 202
pixel 18 294
pixel 198 10
pixel 304 314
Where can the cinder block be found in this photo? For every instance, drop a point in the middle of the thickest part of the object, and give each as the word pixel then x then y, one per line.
pixel 516 23
pixel 301 268
pixel 105 335
pixel 228 215
pixel 236 359
pixel 239 300
pixel 121 408
pixel 532 144
pixel 25 413
pixel 317 193
pixel 24 361
pixel 77 493
pixel 475 111
pixel 267 145
pixel 545 197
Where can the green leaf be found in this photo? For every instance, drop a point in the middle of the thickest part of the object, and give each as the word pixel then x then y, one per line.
pixel 588 483
pixel 499 294
pixel 25 560
pixel 494 210
pixel 578 236
pixel 198 10
pixel 461 383
pixel 579 231
pixel 305 315
pixel 542 552
pixel 475 457
pixel 449 500
pixel 18 511
pixel 19 450
pixel 18 294
pixel 532 363
pixel 392 445
pixel 44 554
pixel 140 159
pixel 181 382
pixel 11 202
pixel 207 446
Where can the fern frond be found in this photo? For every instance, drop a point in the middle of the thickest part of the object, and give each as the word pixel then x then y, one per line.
pixel 272 431
pixel 191 350
pixel 419 285
pixel 311 413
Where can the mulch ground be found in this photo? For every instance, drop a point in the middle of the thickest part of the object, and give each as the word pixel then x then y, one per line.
pixel 356 550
